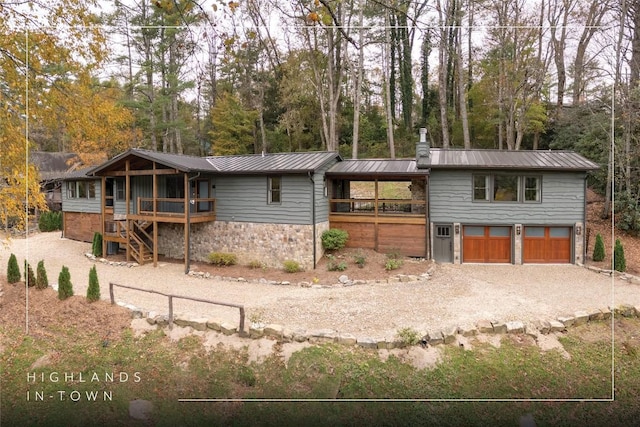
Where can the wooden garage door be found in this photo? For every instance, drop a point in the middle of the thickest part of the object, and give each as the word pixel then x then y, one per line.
pixel 486 244
pixel 547 245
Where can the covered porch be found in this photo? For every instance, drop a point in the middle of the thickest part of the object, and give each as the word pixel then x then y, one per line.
pixel 382 204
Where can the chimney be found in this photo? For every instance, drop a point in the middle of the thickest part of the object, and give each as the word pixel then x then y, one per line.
pixel 422 150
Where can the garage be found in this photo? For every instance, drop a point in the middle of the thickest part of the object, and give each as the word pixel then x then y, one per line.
pixel 486 244
pixel 547 245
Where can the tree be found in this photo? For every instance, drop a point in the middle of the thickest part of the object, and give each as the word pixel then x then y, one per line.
pixel 13 271
pixel 619 263
pixel 93 291
pixel 29 276
pixel 233 126
pixel 41 279
pixel 96 247
pixel 598 249
pixel 65 288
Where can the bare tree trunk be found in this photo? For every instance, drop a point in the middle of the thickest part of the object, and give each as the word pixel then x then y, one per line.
pixel 387 60
pixel 463 96
pixel 358 83
pixel 443 60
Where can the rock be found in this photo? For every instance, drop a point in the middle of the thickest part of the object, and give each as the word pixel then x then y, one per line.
pixel 180 321
pixel 626 310
pixel 531 330
pixel 582 317
pixel 449 335
pixel 285 283
pixel 499 327
pixel 214 324
pixel 300 335
pixel 198 324
pixel 606 313
pixel 263 280
pixel 322 336
pixel 343 279
pixel 567 321
pixel 274 330
pixel 435 338
pixel 382 344
pixel 515 327
pixel 161 320
pixel 595 315
pixel 556 326
pixel 347 339
pixel 545 326
pixel 228 329
pixel 256 331
pixel 140 409
pixel 467 330
pixel 484 327
pixel 241 279
pixel 367 342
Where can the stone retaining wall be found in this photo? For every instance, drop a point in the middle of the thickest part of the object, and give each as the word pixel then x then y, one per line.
pixel 270 244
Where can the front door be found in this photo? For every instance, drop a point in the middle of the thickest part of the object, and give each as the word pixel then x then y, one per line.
pixel 200 190
pixel 442 244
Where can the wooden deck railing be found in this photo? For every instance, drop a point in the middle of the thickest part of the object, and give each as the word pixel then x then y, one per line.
pixel 378 206
pixel 171 297
pixel 174 206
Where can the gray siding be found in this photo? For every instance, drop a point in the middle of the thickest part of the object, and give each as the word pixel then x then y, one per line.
pixel 450 199
pixel 81 205
pixel 322 202
pixel 244 198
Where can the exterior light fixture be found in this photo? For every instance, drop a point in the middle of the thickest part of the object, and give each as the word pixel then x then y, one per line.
pixel 456 228
pixel 518 230
pixel 578 230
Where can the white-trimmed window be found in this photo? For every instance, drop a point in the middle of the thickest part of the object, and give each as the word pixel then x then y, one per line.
pixel 481 188
pixel 81 190
pixel 506 188
pixel 274 189
pixel 532 189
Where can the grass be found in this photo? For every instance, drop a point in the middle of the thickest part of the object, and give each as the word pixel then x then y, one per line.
pixel 170 371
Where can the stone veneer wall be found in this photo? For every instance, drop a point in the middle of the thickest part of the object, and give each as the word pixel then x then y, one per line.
pixel 270 244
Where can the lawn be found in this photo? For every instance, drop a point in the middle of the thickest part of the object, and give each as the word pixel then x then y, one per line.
pixel 113 372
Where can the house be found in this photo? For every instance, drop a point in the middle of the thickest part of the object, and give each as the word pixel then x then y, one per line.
pixel 479 206
pixel 53 168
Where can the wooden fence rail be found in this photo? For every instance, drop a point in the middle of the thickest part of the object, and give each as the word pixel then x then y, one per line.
pixel 171 297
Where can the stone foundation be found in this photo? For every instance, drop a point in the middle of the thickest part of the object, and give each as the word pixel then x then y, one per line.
pixel 270 244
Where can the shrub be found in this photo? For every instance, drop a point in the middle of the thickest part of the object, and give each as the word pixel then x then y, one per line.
pixel 334 239
pixel 222 259
pixel 393 264
pixel 598 249
pixel 50 221
pixel 291 266
pixel 41 276
pixel 394 254
pixel 93 291
pixel 13 271
pixel 360 260
pixel 255 264
pixel 619 263
pixel 65 288
pixel 29 276
pixel 334 265
pixel 408 336
pixel 96 248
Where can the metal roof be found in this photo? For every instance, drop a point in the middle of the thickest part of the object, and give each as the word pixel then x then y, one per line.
pixel 395 167
pixel 247 164
pixel 502 159
pixel 272 162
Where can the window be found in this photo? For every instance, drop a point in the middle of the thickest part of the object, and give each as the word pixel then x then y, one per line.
pixel 481 187
pixel 71 190
pixel 274 191
pixel 505 188
pixel 531 189
pixel 81 189
pixel 175 187
pixel 119 189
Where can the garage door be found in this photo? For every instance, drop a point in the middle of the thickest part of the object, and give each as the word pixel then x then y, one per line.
pixel 547 245
pixel 486 244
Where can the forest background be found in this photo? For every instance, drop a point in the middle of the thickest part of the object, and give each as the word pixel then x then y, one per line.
pixel 355 76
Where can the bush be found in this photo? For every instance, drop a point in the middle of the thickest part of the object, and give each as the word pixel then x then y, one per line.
pixel 50 221
pixel 41 276
pixel 222 259
pixel 334 265
pixel 393 264
pixel 96 248
pixel 291 266
pixel 13 271
pixel 29 276
pixel 360 260
pixel 93 291
pixel 598 249
pixel 334 239
pixel 409 336
pixel 619 263
pixel 255 264
pixel 65 288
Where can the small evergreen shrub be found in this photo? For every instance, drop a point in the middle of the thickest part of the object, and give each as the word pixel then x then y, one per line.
pixel 93 291
pixel 41 276
pixel 619 263
pixel 291 266
pixel 360 260
pixel 334 239
pixel 598 249
pixel 222 259
pixel 65 288
pixel 96 248
pixel 29 276
pixel 13 271
pixel 255 264
pixel 50 221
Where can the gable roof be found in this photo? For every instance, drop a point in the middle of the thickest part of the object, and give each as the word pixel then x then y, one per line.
pixel 53 165
pixel 511 159
pixel 301 162
pixel 246 164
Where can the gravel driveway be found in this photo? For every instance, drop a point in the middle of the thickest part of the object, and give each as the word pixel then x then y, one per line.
pixel 456 295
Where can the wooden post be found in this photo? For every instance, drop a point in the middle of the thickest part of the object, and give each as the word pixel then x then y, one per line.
pixel 187 208
pixel 103 208
pixel 170 311
pixel 155 223
pixel 126 201
pixel 113 298
pixel 375 215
